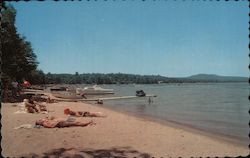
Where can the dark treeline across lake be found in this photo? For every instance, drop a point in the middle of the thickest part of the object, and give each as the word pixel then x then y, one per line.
pixel 121 78
pixel 218 108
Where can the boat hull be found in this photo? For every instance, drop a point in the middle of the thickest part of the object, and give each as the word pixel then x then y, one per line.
pixel 97 92
pixel 94 91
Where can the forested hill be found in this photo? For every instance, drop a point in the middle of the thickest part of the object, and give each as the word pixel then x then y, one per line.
pixel 213 77
pixel 120 78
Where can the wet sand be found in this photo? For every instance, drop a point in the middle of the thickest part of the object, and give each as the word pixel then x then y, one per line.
pixel 116 135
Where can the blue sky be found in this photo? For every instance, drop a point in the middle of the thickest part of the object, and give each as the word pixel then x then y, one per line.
pixel 168 38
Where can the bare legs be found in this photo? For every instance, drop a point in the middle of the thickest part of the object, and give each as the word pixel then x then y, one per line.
pixel 96 114
pixel 32 109
pixel 69 124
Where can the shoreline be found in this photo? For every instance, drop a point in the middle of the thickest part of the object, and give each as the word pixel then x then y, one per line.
pixel 182 126
pixel 116 133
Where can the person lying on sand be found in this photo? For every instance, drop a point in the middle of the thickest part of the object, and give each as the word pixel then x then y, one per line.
pixel 31 106
pixel 53 122
pixel 67 111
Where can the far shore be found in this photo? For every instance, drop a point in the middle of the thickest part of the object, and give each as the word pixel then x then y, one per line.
pixel 118 134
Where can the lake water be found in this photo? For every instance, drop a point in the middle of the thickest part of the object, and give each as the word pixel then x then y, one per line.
pixel 218 108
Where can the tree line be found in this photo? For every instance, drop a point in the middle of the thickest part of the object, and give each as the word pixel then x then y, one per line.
pixel 98 78
pixel 116 78
pixel 110 78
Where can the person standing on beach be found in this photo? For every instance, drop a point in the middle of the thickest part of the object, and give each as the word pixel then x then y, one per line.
pixel 14 88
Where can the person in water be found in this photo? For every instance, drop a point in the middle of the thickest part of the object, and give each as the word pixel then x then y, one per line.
pixel 67 111
pixel 54 122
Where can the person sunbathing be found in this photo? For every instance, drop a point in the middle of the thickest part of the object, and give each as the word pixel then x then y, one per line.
pixel 31 106
pixel 67 111
pixel 54 122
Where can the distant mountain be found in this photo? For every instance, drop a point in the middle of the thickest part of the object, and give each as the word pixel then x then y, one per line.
pixel 217 78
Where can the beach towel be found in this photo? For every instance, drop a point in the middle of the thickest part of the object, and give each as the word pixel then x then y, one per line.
pixel 28 126
pixel 70 119
pixel 21 105
pixel 21 108
pixel 25 111
pixel 20 112
pixel 43 112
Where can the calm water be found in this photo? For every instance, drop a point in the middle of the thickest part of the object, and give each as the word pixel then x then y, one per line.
pixel 220 108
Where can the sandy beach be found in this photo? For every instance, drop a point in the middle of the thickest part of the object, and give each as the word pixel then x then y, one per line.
pixel 116 135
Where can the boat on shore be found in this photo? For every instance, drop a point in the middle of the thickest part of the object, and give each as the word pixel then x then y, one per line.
pixel 66 95
pixel 79 93
pixel 64 92
pixel 94 90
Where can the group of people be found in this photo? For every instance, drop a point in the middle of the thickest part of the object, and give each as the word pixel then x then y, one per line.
pixel 51 122
pixel 33 106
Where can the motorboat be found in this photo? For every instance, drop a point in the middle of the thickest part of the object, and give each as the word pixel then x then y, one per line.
pixel 94 90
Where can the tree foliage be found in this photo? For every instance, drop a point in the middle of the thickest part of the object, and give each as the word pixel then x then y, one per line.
pixel 99 78
pixel 18 58
pixel 118 78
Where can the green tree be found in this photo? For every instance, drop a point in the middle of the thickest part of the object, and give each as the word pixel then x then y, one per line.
pixel 37 77
pixel 18 59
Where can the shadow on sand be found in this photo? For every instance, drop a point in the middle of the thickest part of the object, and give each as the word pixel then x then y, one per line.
pixel 121 152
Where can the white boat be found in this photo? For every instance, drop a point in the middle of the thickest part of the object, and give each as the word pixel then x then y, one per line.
pixel 94 90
